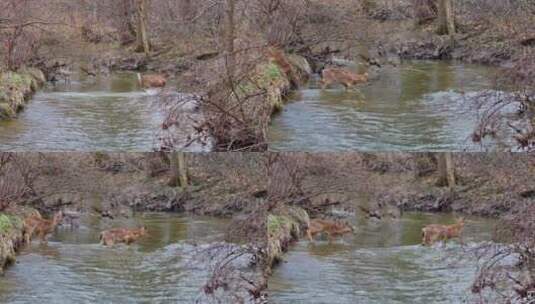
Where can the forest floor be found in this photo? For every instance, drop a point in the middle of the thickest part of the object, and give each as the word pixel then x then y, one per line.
pixel 487 185
pixel 140 182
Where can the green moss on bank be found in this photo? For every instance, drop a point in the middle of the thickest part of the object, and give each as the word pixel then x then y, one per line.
pixel 284 228
pixel 11 238
pixel 9 222
pixel 16 88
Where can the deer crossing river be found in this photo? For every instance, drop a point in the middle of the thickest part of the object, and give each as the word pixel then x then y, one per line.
pixel 105 113
pixel 417 106
pixel 74 268
pixel 384 262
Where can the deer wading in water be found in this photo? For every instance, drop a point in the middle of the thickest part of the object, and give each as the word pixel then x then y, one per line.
pixel 121 235
pixel 344 77
pixel 35 224
pixel 151 81
pixel 331 228
pixel 435 232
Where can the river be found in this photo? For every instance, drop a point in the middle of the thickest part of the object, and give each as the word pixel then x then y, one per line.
pixel 382 263
pixel 417 106
pixel 106 113
pixel 74 268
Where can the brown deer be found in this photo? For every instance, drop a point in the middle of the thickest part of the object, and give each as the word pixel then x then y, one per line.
pixel 435 232
pixel 35 224
pixel 151 81
pixel 121 235
pixel 342 76
pixel 30 223
pixel 331 228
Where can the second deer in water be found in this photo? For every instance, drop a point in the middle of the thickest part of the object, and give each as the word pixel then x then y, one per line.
pixel 151 81
pixel 342 76
pixel 121 235
pixel 435 232
pixel 331 228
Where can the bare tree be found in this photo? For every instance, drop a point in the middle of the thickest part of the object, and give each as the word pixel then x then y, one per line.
pixel 179 170
pixel 143 43
pixel 446 170
pixel 446 18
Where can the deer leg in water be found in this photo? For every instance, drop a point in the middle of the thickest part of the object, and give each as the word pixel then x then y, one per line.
pixel 309 236
pixel 461 241
pixel 323 84
pixel 43 237
pixel 330 237
pixel 28 237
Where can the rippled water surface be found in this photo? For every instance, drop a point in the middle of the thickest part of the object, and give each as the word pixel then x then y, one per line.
pixel 74 268
pixel 420 106
pixel 381 263
pixel 89 114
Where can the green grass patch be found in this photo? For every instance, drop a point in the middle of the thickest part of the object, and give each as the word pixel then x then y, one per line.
pixel 5 224
pixel 267 75
pixel 276 224
pixel 16 80
pixel 9 222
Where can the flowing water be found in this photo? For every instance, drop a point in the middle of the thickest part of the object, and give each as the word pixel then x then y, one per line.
pixel 419 106
pixel 381 263
pixel 89 114
pixel 74 268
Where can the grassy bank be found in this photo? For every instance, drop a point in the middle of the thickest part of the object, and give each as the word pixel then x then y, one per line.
pixel 16 88
pixel 11 234
pixel 285 226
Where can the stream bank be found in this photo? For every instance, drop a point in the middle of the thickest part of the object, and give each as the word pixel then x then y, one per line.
pixel 11 234
pixel 17 88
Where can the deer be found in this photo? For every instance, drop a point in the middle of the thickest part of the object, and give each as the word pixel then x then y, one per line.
pixel 151 81
pixel 342 76
pixel 30 223
pixel 331 228
pixel 121 235
pixel 435 232
pixel 35 224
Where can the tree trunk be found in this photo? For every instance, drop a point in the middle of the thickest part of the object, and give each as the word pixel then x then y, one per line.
pixel 179 170
pixel 186 9
pixel 425 11
pixel 446 18
pixel 183 170
pixel 143 44
pixel 446 170
pixel 130 18
pixel 230 36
